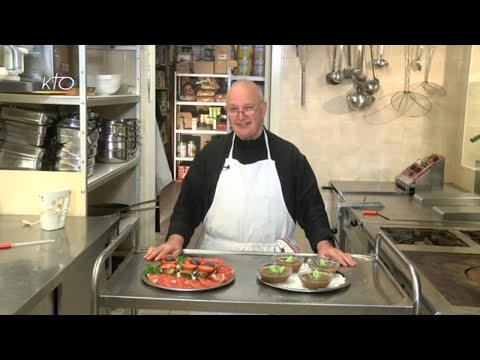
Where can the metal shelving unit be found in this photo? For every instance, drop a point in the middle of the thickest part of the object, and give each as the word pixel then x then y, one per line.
pixel 103 173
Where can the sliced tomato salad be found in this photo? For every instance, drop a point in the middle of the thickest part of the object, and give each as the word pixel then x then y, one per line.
pixel 193 273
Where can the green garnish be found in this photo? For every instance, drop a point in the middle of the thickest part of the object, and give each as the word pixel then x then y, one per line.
pixel 151 269
pixel 181 259
pixel 321 262
pixel 276 269
pixel 289 259
pixel 315 274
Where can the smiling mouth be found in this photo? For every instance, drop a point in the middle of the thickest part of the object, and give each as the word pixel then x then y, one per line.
pixel 243 124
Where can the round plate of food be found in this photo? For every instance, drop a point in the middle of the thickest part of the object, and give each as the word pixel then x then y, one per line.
pixel 310 282
pixel 184 273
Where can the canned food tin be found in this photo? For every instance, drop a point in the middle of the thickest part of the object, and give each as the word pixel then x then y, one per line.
pixel 259 52
pixel 244 67
pixel 244 51
pixel 182 149
pixel 191 149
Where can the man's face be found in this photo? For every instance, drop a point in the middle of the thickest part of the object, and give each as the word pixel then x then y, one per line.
pixel 246 112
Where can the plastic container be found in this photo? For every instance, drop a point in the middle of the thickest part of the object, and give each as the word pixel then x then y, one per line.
pixel 258 67
pixel 244 52
pixel 259 52
pixel 244 67
pixel 53 208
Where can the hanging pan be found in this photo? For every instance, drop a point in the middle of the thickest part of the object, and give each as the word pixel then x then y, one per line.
pixel 117 208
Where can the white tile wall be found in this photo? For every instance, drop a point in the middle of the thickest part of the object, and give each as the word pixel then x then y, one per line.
pixel 367 145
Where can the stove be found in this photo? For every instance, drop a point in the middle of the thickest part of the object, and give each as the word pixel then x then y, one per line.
pixel 454 276
pixel 446 257
pixel 421 236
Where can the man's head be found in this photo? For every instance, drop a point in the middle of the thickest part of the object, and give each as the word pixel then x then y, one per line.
pixel 246 109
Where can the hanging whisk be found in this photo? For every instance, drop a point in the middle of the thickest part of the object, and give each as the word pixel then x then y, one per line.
pixel 410 103
pixel 303 53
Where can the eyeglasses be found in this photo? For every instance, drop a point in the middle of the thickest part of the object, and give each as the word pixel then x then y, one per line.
pixel 248 111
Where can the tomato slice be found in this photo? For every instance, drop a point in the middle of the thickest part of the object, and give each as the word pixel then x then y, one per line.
pixel 187 266
pixel 224 268
pixel 172 282
pixel 193 284
pixel 228 275
pixel 206 269
pixel 208 282
pixel 153 278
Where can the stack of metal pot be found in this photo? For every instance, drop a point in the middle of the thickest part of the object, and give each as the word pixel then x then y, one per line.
pixel 27 139
pixel 118 140
pixel 68 135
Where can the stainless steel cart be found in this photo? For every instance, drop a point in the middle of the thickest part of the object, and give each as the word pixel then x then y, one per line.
pixel 372 290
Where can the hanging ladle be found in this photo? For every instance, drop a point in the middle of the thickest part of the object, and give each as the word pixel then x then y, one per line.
pixel 338 75
pixel 330 74
pixel 347 72
pixel 371 86
pixel 359 100
pixel 358 76
pixel 417 61
pixel 380 62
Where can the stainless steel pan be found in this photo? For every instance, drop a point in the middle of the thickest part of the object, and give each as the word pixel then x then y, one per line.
pixel 117 208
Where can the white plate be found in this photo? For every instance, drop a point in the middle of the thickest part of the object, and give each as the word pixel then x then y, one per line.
pixel 293 283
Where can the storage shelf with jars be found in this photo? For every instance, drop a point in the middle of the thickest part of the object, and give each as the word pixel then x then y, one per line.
pixel 89 179
pixel 200 97
pixel 199 113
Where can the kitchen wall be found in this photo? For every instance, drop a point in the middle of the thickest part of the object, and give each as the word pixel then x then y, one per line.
pixel 376 144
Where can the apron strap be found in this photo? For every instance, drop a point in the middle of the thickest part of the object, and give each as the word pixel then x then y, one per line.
pixel 266 142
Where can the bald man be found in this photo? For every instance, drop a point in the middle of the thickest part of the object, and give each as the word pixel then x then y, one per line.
pixel 249 188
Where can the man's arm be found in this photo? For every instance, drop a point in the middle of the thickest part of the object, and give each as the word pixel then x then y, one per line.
pixel 188 211
pixel 311 214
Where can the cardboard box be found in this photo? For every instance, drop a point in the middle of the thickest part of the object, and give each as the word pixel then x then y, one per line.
pixel 221 66
pixel 223 52
pixel 185 119
pixel 203 67
pixel 183 68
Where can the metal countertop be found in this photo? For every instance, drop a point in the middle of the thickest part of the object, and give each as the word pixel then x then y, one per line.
pixel 29 273
pixel 371 291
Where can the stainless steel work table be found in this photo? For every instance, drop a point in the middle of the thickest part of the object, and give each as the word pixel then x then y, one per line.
pixel 371 291
pixel 29 273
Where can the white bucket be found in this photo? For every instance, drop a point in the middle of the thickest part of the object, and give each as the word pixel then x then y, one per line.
pixel 53 208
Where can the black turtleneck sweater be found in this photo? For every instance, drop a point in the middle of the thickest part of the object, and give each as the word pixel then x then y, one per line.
pixel 299 185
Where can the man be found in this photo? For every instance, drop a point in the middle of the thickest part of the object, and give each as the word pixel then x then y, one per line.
pixel 249 188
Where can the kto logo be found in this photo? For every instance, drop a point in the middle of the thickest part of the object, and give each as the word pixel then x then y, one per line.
pixel 58 81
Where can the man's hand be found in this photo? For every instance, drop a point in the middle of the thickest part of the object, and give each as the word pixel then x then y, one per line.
pixel 173 246
pixel 325 249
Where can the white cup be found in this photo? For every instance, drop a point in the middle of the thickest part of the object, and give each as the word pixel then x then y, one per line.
pixel 53 208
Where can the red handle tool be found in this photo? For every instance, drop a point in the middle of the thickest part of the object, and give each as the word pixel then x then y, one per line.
pixel 11 245
pixel 373 213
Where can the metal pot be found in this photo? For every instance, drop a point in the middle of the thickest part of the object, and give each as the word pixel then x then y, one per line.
pixel 117 208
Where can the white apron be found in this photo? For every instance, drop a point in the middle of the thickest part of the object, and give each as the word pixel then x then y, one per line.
pixel 248 212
